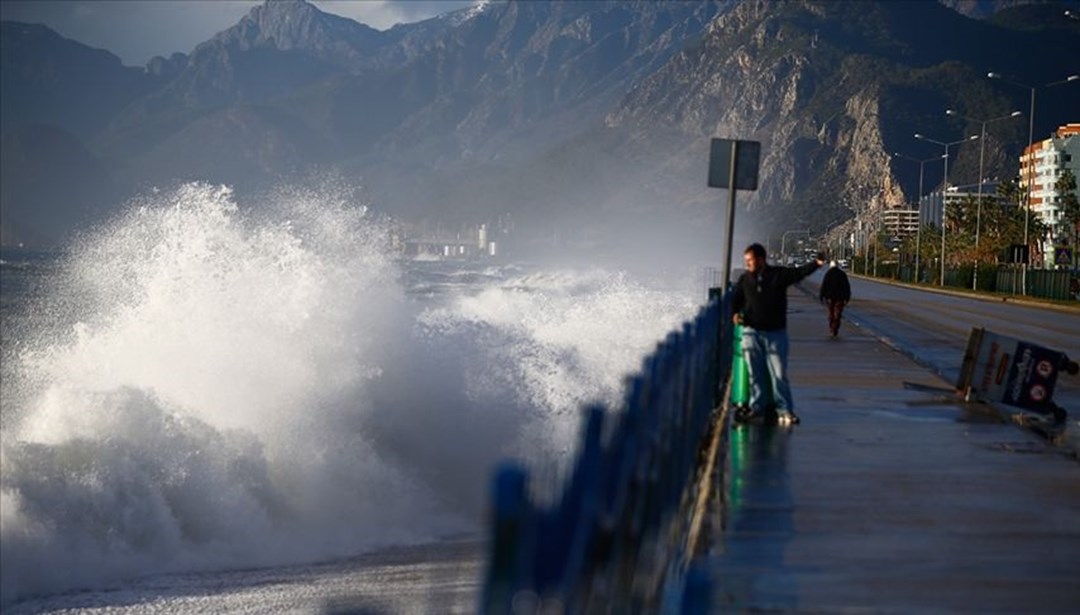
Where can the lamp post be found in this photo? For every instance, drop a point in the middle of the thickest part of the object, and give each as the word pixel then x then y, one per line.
pixel 1031 154
pixel 879 224
pixel 864 230
pixel 873 241
pixel 944 189
pixel 783 243
pixel 978 208
pixel 918 206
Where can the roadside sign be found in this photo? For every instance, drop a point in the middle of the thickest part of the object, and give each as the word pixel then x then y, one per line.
pixel 1062 255
pixel 733 165
pixel 747 154
pixel 998 368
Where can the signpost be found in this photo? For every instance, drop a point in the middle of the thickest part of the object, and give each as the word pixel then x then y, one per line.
pixel 733 165
pixel 1062 255
pixel 1018 253
pixel 1002 369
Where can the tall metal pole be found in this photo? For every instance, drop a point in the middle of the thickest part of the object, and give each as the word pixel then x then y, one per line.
pixel 1030 155
pixel 874 240
pixel 918 208
pixel 1030 179
pixel 871 246
pixel 918 224
pixel 944 191
pixel 978 207
pixel 944 197
pixel 731 214
pixel 865 248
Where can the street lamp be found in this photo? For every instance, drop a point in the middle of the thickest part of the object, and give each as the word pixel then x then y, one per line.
pixel 944 190
pixel 1031 154
pixel 918 225
pixel 874 241
pixel 783 242
pixel 978 208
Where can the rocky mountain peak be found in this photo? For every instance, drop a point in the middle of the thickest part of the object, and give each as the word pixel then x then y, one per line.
pixel 587 110
pixel 297 25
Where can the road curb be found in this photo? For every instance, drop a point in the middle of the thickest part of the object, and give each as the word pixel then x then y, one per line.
pixel 956 292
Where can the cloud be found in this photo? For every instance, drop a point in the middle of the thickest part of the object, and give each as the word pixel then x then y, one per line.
pixel 137 30
pixel 133 30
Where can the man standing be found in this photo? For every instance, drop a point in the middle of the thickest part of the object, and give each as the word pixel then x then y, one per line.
pixel 760 306
pixel 835 293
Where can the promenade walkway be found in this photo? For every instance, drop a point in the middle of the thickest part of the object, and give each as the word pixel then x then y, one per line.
pixel 891 496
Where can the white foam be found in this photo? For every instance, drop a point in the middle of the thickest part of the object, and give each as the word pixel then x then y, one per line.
pixel 253 386
pixel 559 340
pixel 207 409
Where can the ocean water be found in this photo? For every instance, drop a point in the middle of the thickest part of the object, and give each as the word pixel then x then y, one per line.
pixel 196 391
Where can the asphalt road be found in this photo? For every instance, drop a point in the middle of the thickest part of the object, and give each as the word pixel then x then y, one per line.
pixel 892 495
pixel 933 327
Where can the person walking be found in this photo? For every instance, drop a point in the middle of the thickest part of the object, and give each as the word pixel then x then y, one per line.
pixel 835 294
pixel 760 306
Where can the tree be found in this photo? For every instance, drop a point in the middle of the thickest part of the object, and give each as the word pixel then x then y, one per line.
pixel 960 231
pixel 1015 216
pixel 1009 191
pixel 1069 204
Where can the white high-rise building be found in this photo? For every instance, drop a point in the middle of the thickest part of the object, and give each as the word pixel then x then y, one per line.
pixel 930 204
pixel 900 221
pixel 1042 164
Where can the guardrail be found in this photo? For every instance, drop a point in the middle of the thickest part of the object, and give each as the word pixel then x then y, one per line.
pixel 1060 285
pixel 1040 283
pixel 616 538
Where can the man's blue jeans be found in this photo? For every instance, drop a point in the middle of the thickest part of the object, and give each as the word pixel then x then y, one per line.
pixel 766 354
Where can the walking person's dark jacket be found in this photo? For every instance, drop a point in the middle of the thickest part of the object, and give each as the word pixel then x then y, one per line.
pixel 762 299
pixel 835 286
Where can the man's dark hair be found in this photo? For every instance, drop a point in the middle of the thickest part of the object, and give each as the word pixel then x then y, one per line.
pixel 757 249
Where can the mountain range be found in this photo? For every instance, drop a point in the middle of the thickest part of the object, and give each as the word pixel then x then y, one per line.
pixel 589 117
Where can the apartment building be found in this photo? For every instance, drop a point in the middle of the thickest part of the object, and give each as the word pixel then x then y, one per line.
pixel 900 222
pixel 1042 164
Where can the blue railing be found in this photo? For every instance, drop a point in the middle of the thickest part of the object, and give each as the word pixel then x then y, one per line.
pixel 615 537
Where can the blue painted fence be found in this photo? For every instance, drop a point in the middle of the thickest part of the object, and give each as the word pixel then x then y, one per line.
pixel 614 539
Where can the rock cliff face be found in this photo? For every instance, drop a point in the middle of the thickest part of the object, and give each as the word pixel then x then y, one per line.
pixel 583 111
pixel 759 75
pixel 830 90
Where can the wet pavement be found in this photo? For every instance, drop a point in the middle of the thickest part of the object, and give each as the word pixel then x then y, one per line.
pixel 892 495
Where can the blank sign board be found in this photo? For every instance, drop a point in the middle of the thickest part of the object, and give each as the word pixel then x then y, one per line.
pixel 747 154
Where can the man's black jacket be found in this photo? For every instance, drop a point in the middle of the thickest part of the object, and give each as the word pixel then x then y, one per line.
pixel 762 298
pixel 835 286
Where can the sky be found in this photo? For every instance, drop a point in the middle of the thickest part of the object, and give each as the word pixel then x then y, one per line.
pixel 137 30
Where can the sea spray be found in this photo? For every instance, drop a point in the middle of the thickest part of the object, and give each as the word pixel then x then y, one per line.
pixel 557 340
pixel 241 386
pixel 205 409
